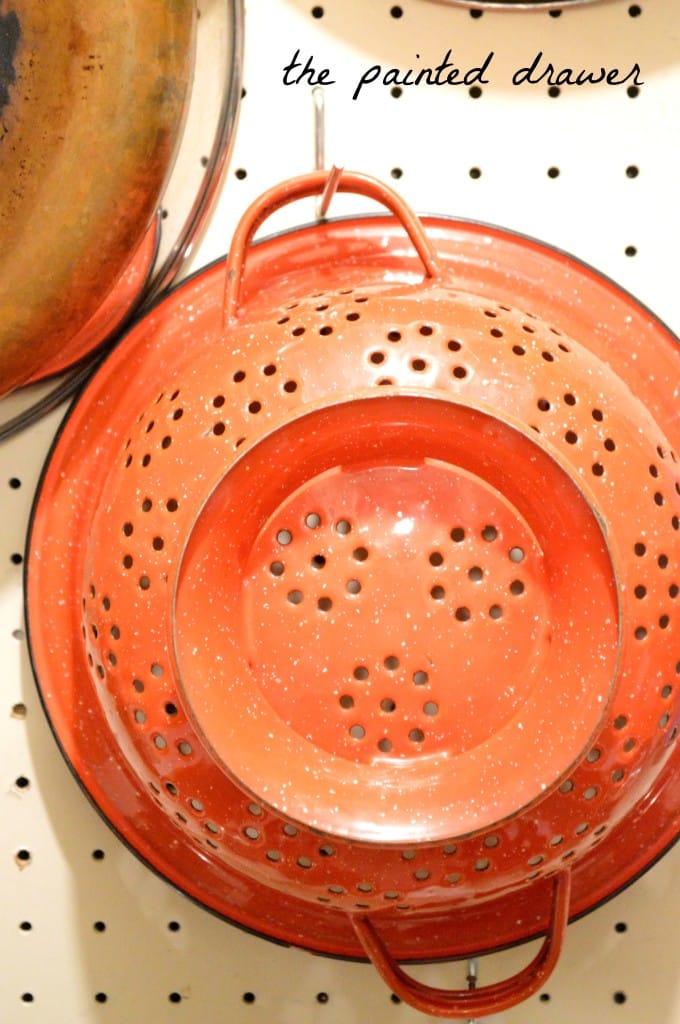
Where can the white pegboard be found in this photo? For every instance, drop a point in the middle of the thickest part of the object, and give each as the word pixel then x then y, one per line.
pixel 87 932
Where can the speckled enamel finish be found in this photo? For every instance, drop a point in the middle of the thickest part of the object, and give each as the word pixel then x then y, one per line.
pixel 221 588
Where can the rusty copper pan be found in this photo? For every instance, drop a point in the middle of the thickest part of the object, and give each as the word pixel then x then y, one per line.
pixel 93 98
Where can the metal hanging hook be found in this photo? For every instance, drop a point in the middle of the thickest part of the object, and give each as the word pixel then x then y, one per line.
pixel 472 975
pixel 331 186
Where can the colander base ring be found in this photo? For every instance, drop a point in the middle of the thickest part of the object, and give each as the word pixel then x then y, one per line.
pixel 383 552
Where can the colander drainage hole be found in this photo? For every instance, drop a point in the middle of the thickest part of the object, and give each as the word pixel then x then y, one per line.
pixel 295 596
pixel 388 705
pixel 346 701
pixel 437 593
pixel 385 745
pixel 391 663
pixel 324 604
pixel 276 568
pixel 357 732
pixel 284 537
pixel 343 527
pixel 318 561
pixel 416 735
pixel 360 672
pixel 313 520
pixel 353 586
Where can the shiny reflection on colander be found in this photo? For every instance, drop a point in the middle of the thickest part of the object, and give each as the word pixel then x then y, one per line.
pixel 354 603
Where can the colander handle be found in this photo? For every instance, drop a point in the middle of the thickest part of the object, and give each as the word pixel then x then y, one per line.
pixel 470 1003
pixel 301 188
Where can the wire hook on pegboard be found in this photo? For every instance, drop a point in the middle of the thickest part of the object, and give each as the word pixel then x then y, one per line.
pixel 324 200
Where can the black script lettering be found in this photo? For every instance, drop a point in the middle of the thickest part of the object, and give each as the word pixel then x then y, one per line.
pixel 537 72
pixel 444 73
pixel 313 76
pixel 476 75
pixel 369 76
pixel 612 78
pixel 589 77
pixel 527 74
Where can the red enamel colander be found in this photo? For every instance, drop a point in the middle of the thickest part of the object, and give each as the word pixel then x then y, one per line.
pixel 353 588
